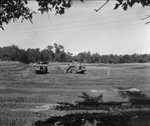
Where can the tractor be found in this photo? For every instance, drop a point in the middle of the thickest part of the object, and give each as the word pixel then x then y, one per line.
pixel 41 67
pixel 76 68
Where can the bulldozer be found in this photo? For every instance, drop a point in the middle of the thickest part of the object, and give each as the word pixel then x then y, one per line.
pixel 76 68
pixel 41 67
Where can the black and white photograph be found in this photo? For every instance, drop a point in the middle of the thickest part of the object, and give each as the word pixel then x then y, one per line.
pixel 74 62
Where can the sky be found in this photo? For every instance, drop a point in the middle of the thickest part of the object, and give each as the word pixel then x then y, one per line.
pixel 81 29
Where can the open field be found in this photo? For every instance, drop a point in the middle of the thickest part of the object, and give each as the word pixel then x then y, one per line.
pixel 26 97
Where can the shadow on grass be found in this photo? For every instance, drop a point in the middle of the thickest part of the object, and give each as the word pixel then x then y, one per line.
pixel 98 119
pixel 135 97
pixel 87 119
pixel 89 103
pixel 109 118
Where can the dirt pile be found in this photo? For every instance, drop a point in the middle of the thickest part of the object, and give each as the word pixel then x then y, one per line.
pixel 15 70
pixel 12 64
pixel 28 72
pixel 56 70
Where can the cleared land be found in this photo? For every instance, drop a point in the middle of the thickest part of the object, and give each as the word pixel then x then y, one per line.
pixel 26 97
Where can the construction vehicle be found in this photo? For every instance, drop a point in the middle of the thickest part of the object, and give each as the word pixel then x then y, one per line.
pixel 76 68
pixel 41 67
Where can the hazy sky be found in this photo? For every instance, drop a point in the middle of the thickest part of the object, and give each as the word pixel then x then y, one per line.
pixel 82 29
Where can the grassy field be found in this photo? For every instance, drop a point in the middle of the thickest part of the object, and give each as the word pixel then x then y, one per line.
pixel 26 97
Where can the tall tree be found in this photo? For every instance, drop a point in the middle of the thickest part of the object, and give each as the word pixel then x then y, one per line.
pixel 96 58
pixel 104 59
pixel 60 54
pixel 144 58
pixel 33 55
pixel 45 56
pixel 50 51
pixel 10 53
pixel 69 57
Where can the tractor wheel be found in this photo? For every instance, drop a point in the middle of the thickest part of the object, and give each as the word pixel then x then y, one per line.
pixel 69 71
pixel 73 70
pixel 36 72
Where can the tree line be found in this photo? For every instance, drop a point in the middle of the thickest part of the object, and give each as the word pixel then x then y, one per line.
pixel 56 53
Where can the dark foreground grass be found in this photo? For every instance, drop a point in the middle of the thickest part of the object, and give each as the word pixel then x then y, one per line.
pixel 98 119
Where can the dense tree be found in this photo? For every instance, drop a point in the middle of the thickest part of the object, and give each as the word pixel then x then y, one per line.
pixel 135 57
pixel 113 59
pixel 104 59
pixel 10 53
pixel 50 51
pixel 56 53
pixel 22 56
pixel 33 55
pixel 69 57
pixel 60 54
pixel 15 9
pixel 14 52
pixel 60 57
pixel 5 55
pixel 85 57
pixel 127 58
pixel 45 56
pixel 144 58
pixel 96 58
pixel 58 48
pixel 1 49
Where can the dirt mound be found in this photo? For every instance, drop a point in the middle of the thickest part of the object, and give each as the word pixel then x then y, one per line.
pixel 56 70
pixel 15 70
pixel 12 64
pixel 29 72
